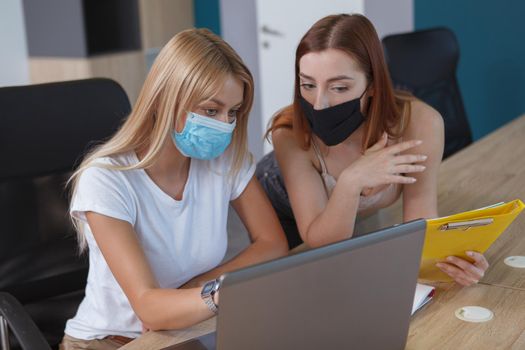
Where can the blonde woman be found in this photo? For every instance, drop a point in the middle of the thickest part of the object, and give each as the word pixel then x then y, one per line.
pixel 151 203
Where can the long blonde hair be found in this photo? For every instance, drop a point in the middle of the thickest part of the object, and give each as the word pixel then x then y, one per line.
pixel 191 68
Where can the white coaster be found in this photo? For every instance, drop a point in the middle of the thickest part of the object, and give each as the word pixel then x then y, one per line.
pixel 515 261
pixel 474 314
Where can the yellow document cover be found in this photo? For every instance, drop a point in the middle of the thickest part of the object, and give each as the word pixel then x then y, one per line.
pixel 472 230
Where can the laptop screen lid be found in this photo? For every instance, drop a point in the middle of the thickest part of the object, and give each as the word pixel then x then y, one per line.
pixel 356 293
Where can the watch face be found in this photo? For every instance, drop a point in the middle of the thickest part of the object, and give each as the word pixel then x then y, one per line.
pixel 208 287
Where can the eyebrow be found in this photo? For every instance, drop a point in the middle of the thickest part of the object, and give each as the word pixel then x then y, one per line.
pixel 338 77
pixel 220 103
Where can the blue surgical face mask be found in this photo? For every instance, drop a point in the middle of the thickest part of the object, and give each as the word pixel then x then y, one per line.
pixel 203 137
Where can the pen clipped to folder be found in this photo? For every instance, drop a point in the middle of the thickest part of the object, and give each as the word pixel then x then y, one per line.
pixel 465 225
pixel 473 230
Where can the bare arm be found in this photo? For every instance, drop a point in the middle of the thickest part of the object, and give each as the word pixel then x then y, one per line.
pixel 420 199
pixel 266 233
pixel 318 220
pixel 321 220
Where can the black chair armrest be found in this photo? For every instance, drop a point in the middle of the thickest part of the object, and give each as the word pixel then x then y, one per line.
pixel 20 324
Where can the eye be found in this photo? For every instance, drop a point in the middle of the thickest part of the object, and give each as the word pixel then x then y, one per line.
pixel 233 113
pixel 307 86
pixel 210 112
pixel 340 88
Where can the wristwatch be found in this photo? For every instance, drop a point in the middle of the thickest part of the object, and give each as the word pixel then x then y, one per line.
pixel 207 293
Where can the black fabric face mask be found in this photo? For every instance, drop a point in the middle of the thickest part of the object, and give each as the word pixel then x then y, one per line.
pixel 334 124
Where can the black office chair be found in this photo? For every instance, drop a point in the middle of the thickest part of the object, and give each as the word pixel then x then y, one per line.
pixel 45 130
pixel 424 62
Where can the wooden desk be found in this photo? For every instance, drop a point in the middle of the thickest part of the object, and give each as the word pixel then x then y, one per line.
pixel 162 339
pixel 436 326
pixel 489 171
pixel 433 327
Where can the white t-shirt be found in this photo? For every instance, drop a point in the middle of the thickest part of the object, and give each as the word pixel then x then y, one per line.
pixel 181 239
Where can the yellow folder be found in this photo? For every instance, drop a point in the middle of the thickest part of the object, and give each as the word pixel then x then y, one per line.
pixel 472 230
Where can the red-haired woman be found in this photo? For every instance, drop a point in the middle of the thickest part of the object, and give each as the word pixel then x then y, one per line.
pixel 350 144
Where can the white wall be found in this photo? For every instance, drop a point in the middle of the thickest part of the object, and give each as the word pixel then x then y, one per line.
pixel 239 29
pixel 14 68
pixel 390 17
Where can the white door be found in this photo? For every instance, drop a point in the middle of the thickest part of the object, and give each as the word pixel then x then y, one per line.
pixel 280 26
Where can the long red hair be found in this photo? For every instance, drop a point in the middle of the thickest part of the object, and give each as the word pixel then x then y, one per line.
pixel 354 34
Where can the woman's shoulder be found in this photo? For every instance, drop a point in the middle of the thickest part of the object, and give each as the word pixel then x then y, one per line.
pixel 281 128
pixel 281 119
pixel 422 114
pixel 424 122
pixel 106 169
pixel 285 141
pixel 283 136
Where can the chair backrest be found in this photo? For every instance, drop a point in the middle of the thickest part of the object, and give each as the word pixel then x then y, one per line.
pixel 424 62
pixel 47 127
pixel 45 130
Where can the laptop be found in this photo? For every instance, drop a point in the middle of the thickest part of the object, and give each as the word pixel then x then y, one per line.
pixel 357 293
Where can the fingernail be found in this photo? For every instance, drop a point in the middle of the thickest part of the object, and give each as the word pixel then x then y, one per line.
pixel 440 265
pixel 469 253
pixel 412 180
pixel 418 142
pixel 449 258
pixel 424 157
pixel 422 167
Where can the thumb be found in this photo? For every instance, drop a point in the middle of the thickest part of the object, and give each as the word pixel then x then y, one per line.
pixel 380 144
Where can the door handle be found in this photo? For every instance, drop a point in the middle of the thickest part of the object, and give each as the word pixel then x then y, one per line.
pixel 267 30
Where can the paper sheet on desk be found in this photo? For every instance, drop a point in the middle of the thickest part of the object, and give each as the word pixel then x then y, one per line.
pixel 423 295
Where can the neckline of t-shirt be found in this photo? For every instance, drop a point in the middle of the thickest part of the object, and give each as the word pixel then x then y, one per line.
pixel 166 197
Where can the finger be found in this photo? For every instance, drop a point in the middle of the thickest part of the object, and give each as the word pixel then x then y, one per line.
pixel 479 260
pixel 465 282
pixel 380 144
pixel 400 179
pixel 449 270
pixel 408 168
pixel 457 274
pixel 470 269
pixel 409 158
pixel 403 146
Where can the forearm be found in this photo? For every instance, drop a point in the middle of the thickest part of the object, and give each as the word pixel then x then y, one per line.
pixel 163 308
pixel 257 252
pixel 419 214
pixel 337 220
pixel 419 203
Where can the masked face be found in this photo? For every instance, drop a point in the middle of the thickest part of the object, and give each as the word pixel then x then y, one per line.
pixel 208 129
pixel 334 124
pixel 332 85
pixel 203 137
